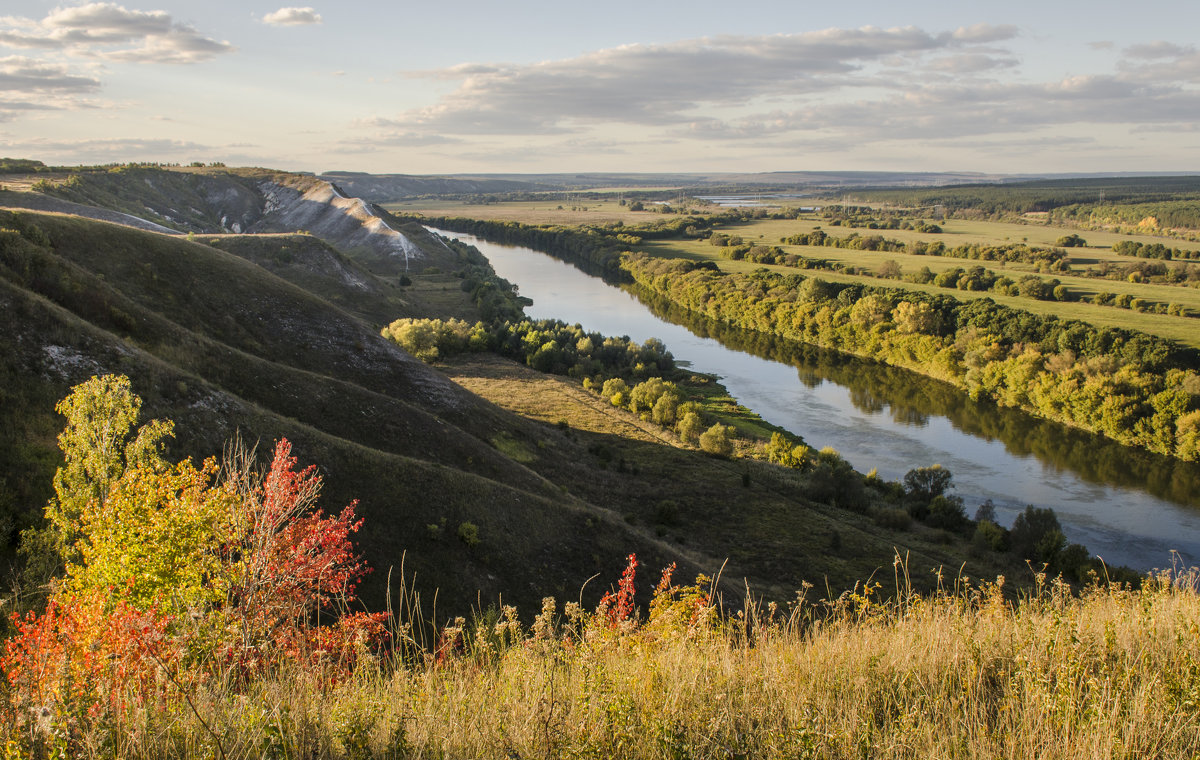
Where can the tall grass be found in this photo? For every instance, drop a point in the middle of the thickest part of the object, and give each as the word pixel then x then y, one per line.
pixel 966 672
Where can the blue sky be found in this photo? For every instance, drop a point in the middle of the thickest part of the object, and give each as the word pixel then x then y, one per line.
pixel 613 86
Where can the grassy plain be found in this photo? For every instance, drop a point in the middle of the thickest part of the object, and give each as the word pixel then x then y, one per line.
pixel 1185 330
pixel 565 211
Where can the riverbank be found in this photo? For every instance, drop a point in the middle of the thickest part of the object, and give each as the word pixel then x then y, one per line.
pixel 1139 390
pixel 1128 506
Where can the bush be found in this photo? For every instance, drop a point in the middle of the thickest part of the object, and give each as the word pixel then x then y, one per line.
pixel 892 519
pixel 947 513
pixel 990 536
pixel 716 440
pixel 468 533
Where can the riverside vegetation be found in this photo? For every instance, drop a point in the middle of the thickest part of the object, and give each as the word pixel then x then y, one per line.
pixel 1136 388
pixel 214 649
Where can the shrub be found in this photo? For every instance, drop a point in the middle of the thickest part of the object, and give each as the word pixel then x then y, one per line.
pixel 716 440
pixel 468 533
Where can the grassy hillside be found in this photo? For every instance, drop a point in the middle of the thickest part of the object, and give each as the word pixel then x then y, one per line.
pixel 225 346
pixel 958 674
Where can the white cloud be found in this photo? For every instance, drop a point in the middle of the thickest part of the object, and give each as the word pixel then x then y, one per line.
pixel 658 85
pixel 108 31
pixel 292 17
pixel 1158 49
pixel 31 76
pixel 836 87
pixel 107 150
pixel 970 63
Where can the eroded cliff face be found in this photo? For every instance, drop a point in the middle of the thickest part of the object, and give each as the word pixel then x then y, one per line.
pixel 237 202
pixel 349 224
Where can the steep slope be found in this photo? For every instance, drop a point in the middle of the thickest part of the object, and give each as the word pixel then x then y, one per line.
pixel 228 348
pixel 413 447
pixel 238 201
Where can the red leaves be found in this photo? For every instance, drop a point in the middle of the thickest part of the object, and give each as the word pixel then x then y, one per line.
pixel 86 657
pixel 295 562
pixel 282 565
pixel 618 607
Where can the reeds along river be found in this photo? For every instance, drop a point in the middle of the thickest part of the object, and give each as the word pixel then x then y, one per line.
pixel 1128 506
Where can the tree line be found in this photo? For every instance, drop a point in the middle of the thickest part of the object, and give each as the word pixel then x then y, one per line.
pixel 1134 388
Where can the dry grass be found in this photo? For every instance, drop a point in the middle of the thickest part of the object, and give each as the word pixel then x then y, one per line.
pixel 568 212
pixel 548 398
pixel 964 673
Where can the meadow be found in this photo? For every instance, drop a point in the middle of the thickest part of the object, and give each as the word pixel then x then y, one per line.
pixel 965 672
pixel 1098 252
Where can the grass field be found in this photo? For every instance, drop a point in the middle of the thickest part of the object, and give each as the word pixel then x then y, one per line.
pixel 561 211
pixel 1183 329
pixel 963 673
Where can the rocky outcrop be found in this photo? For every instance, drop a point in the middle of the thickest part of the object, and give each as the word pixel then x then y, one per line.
pixel 349 224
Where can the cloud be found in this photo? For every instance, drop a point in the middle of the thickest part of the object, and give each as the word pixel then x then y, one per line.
pixel 1159 49
pixel 978 109
pixel 835 89
pixel 34 77
pixel 970 63
pixel 980 33
pixel 292 17
pixel 108 150
pixel 396 139
pixel 111 32
pixel 662 85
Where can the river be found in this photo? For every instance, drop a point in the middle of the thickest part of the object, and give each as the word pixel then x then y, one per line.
pixel 1128 507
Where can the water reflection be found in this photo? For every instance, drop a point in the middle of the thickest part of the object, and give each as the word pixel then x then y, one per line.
pixel 912 399
pixel 1129 506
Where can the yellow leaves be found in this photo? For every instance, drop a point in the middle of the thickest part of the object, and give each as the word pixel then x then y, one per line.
pixel 157 535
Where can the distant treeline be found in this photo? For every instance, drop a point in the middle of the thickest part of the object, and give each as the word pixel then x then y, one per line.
pixel 21 166
pixel 1041 195
pixel 1134 388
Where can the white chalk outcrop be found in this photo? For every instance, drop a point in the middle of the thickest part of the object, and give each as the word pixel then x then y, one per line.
pixel 346 223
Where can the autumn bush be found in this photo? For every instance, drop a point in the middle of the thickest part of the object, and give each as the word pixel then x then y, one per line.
pixel 173 574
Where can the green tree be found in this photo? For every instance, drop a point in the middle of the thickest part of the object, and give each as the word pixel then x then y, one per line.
pixel 97 450
pixel 716 440
pixel 1036 535
pixel 690 426
pixel 924 483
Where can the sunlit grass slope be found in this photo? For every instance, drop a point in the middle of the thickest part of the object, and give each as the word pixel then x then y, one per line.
pixel 959 674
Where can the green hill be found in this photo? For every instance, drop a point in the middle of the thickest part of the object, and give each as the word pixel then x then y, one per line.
pixel 271 335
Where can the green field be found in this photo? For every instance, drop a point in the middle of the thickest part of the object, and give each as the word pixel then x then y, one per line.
pixel 564 211
pixel 769 231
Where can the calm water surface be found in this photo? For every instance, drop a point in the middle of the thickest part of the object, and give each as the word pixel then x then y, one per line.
pixel 1126 506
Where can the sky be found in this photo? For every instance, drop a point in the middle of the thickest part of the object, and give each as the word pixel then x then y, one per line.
pixel 479 86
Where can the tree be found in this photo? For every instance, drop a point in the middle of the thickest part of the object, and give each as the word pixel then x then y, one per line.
pixel 690 426
pixel 924 483
pixel 177 568
pixel 913 317
pixel 889 270
pixel 1036 535
pixel 716 440
pixel 96 450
